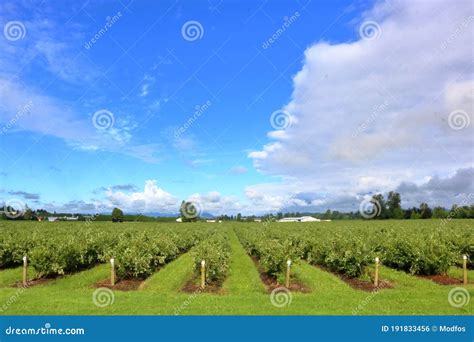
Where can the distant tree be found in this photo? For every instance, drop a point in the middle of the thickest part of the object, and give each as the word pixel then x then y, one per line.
pixel 425 211
pixel 440 212
pixel 379 203
pixel 414 215
pixel 463 212
pixel 28 214
pixel 189 212
pixel 394 205
pixel 239 217
pixel 117 215
pixel 327 215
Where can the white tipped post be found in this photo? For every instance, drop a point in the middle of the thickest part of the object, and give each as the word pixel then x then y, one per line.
pixel 203 274
pixel 287 276
pixel 25 267
pixel 464 267
pixel 377 264
pixel 112 271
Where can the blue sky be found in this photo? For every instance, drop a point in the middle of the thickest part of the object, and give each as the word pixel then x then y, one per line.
pixel 188 113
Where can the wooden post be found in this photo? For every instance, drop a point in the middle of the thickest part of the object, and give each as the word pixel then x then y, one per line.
pixel 376 280
pixel 25 266
pixel 112 271
pixel 464 266
pixel 203 274
pixel 287 276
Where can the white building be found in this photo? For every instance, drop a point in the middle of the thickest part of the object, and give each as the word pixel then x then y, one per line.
pixel 53 218
pixel 299 219
pixel 179 219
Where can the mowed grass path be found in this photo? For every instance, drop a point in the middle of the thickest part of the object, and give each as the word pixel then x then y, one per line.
pixel 242 293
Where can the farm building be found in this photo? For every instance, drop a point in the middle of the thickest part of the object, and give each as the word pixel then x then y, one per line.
pixel 299 219
pixel 53 218
pixel 179 219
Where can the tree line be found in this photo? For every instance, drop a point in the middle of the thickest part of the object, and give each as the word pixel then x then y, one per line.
pixel 389 208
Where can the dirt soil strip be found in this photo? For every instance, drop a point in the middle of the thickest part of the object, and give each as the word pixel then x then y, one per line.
pixel 442 279
pixel 360 284
pixel 272 283
pixel 34 282
pixel 193 286
pixel 121 285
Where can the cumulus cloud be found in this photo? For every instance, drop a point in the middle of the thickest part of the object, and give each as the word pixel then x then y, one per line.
pixel 217 204
pixel 151 199
pixel 457 188
pixel 440 191
pixel 373 113
pixel 155 199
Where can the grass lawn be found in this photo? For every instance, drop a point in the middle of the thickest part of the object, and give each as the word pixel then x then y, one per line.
pixel 242 293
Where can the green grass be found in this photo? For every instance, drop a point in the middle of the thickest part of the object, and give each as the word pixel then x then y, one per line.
pixel 457 273
pixel 243 279
pixel 9 277
pixel 242 293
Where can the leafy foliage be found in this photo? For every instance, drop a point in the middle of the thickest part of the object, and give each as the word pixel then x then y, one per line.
pixel 215 251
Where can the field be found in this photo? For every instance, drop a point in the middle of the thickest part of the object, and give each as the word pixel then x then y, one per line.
pixel 158 268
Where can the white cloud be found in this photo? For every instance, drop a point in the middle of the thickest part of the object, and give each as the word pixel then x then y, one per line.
pixel 370 114
pixel 213 202
pixel 151 199
pixel 50 116
pixel 155 199
pixel 441 191
pixel 147 82
pixel 455 188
